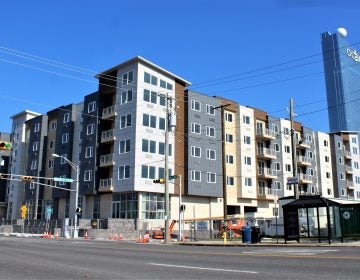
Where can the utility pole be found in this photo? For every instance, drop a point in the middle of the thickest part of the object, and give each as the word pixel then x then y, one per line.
pixel 223 137
pixel 166 171
pixel 293 147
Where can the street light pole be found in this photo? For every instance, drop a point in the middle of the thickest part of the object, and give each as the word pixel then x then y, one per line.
pixel 180 210
pixel 76 168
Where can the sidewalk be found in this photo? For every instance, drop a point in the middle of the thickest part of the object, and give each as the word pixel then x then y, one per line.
pixel 272 242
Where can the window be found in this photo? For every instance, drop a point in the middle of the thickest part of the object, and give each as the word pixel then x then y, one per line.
pixel 355 150
pixel 210 110
pixel 153 97
pixel 147 172
pixel 169 86
pixel 154 80
pixel 124 172
pixel 66 118
pixel 277 185
pixel 246 119
pixel 353 140
pixel 37 127
pixel 229 180
pixel 327 159
pixel 62 158
pixel 247 140
pixel 195 175
pixel 286 131
pixel 53 125
pixel 276 147
pixel 195 151
pixel 162 123
pixel 35 146
pixel 91 106
pixel 162 100
pixel 146 95
pixel 126 96
pixel 247 160
pixel 311 171
pixel 147 77
pixel 90 129
pixel 309 154
pixel 149 146
pixel 228 117
pixel 210 131
pixel 287 149
pixel 149 121
pixel 327 175
pixel 356 165
pixel 275 128
pixel 342 176
pixel 230 159
pixel 339 144
pixel 341 160
pixel 51 144
pixel 211 177
pixel 357 179
pixel 124 146
pixel 248 182
pixel 162 83
pixel 195 105
pixel 277 166
pixel 128 77
pixel 210 154
pixel 288 167
pixel 50 163
pixel 229 138
pixel 125 121
pixel 161 148
pixel 326 143
pixel 329 191
pixel 89 152
pixel 275 211
pixel 65 138
pixel 343 192
pixel 33 164
pixel 88 175
pixel 195 128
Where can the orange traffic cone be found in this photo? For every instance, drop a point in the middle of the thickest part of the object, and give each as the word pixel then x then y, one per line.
pixel 115 236
pixel 86 235
pixel 110 236
pixel 120 236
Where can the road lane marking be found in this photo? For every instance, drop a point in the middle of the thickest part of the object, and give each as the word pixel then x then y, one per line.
pixel 307 252
pixel 204 268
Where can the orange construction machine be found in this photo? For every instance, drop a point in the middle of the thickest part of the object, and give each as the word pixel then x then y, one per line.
pixel 233 228
pixel 160 233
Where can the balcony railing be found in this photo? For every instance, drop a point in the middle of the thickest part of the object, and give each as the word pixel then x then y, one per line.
pixel 267 173
pixel 108 136
pixel 347 154
pixel 106 160
pixel 349 184
pixel 265 133
pixel 303 160
pixel 106 185
pixel 266 153
pixel 265 193
pixel 108 112
pixel 349 169
pixel 306 144
pixel 305 179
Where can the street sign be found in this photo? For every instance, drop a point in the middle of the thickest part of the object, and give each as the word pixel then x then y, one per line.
pixel 65 180
pixel 292 180
pixel 49 209
pixel 172 177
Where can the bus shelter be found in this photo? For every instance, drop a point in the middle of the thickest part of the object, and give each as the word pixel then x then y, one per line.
pixel 313 216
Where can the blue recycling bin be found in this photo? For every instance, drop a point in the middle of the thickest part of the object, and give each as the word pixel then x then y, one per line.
pixel 246 234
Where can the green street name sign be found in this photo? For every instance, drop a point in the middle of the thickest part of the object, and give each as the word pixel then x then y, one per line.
pixel 65 180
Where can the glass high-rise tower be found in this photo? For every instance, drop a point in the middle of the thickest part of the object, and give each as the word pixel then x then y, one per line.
pixel 342 77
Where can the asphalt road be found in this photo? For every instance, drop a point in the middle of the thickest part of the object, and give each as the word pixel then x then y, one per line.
pixel 32 258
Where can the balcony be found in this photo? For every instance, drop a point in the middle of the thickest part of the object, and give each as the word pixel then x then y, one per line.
pixel 305 179
pixel 266 153
pixel 107 160
pixel 265 193
pixel 303 161
pixel 304 144
pixel 349 184
pixel 265 134
pixel 108 136
pixel 347 154
pixel 267 173
pixel 105 185
pixel 349 169
pixel 109 112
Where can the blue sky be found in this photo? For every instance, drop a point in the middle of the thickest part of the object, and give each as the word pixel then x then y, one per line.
pixel 200 41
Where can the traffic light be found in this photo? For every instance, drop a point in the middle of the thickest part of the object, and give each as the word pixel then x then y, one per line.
pixel 26 178
pixel 5 145
pixel 78 210
pixel 159 181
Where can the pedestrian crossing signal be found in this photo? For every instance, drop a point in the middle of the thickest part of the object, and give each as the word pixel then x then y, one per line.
pixel 5 145
pixel 26 178
pixel 159 181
